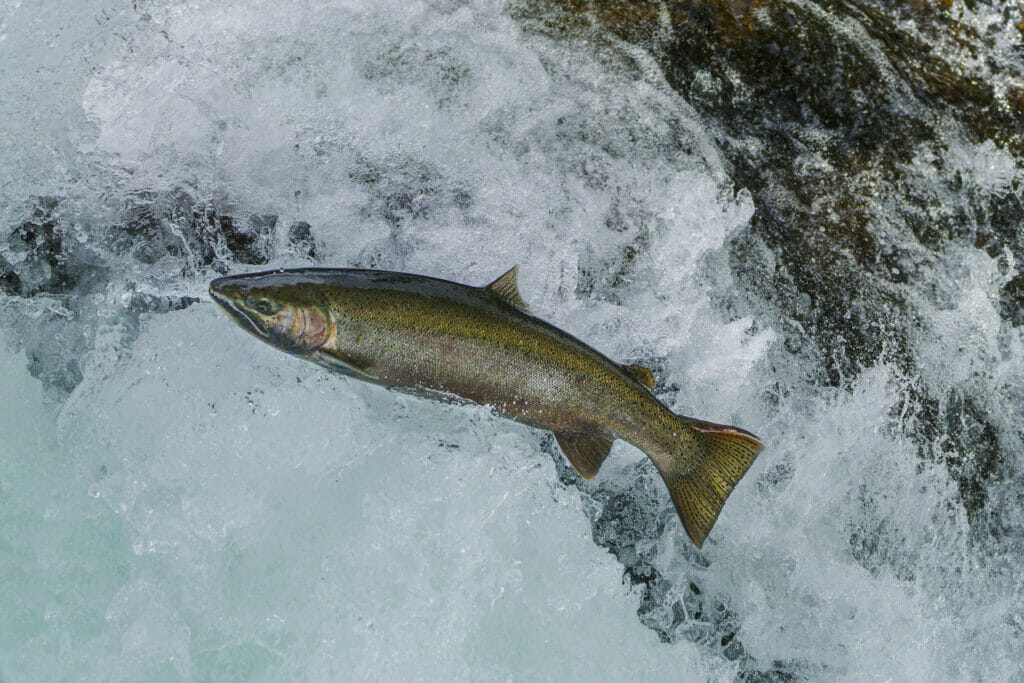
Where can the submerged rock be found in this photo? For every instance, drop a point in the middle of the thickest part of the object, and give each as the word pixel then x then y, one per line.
pixel 854 125
pixel 879 141
pixel 76 290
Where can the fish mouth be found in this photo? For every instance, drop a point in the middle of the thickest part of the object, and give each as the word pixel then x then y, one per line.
pixel 232 309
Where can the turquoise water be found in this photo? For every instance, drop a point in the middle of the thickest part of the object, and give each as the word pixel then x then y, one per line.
pixel 153 536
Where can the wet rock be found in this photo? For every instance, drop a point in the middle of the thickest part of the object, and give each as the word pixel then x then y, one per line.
pixel 78 281
pixel 847 145
pixel 40 257
pixel 300 239
pixel 191 232
pixel 846 120
pixel 249 242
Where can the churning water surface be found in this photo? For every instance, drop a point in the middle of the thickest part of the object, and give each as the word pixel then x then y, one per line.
pixel 804 216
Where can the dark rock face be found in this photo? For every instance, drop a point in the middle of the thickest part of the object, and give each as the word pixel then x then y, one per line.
pixel 833 130
pixel 823 125
pixel 846 120
pixel 175 225
pixel 840 199
pixel 47 262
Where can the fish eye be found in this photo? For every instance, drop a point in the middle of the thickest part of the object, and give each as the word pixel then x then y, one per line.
pixel 263 306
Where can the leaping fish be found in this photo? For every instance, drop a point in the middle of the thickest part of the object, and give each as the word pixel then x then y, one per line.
pixel 451 341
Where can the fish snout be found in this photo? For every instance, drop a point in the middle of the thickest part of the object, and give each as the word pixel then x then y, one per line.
pixel 221 286
pixel 229 291
pixel 217 291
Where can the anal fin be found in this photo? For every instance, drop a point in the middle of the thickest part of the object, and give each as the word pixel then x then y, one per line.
pixel 585 452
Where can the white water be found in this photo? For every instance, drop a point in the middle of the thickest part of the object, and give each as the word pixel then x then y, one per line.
pixel 202 506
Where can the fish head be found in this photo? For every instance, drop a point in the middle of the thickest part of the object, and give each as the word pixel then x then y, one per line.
pixel 281 311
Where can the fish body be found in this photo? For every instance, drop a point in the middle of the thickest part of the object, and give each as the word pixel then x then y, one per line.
pixel 455 342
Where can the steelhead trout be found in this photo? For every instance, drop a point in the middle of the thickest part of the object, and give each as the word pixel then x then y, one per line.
pixel 479 344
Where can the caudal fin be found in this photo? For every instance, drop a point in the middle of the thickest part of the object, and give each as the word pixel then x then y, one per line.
pixel 703 471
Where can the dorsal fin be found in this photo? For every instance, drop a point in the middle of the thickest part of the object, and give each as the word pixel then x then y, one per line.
pixel 507 287
pixel 640 374
pixel 586 452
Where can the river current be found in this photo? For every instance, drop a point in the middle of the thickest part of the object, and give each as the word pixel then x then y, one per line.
pixel 804 216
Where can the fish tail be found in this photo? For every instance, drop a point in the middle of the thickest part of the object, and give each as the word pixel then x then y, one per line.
pixel 702 471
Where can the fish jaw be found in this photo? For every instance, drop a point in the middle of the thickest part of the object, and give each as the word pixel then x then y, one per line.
pixel 229 300
pixel 285 317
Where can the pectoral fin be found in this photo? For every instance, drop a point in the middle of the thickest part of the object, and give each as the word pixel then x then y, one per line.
pixel 344 366
pixel 640 374
pixel 586 452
